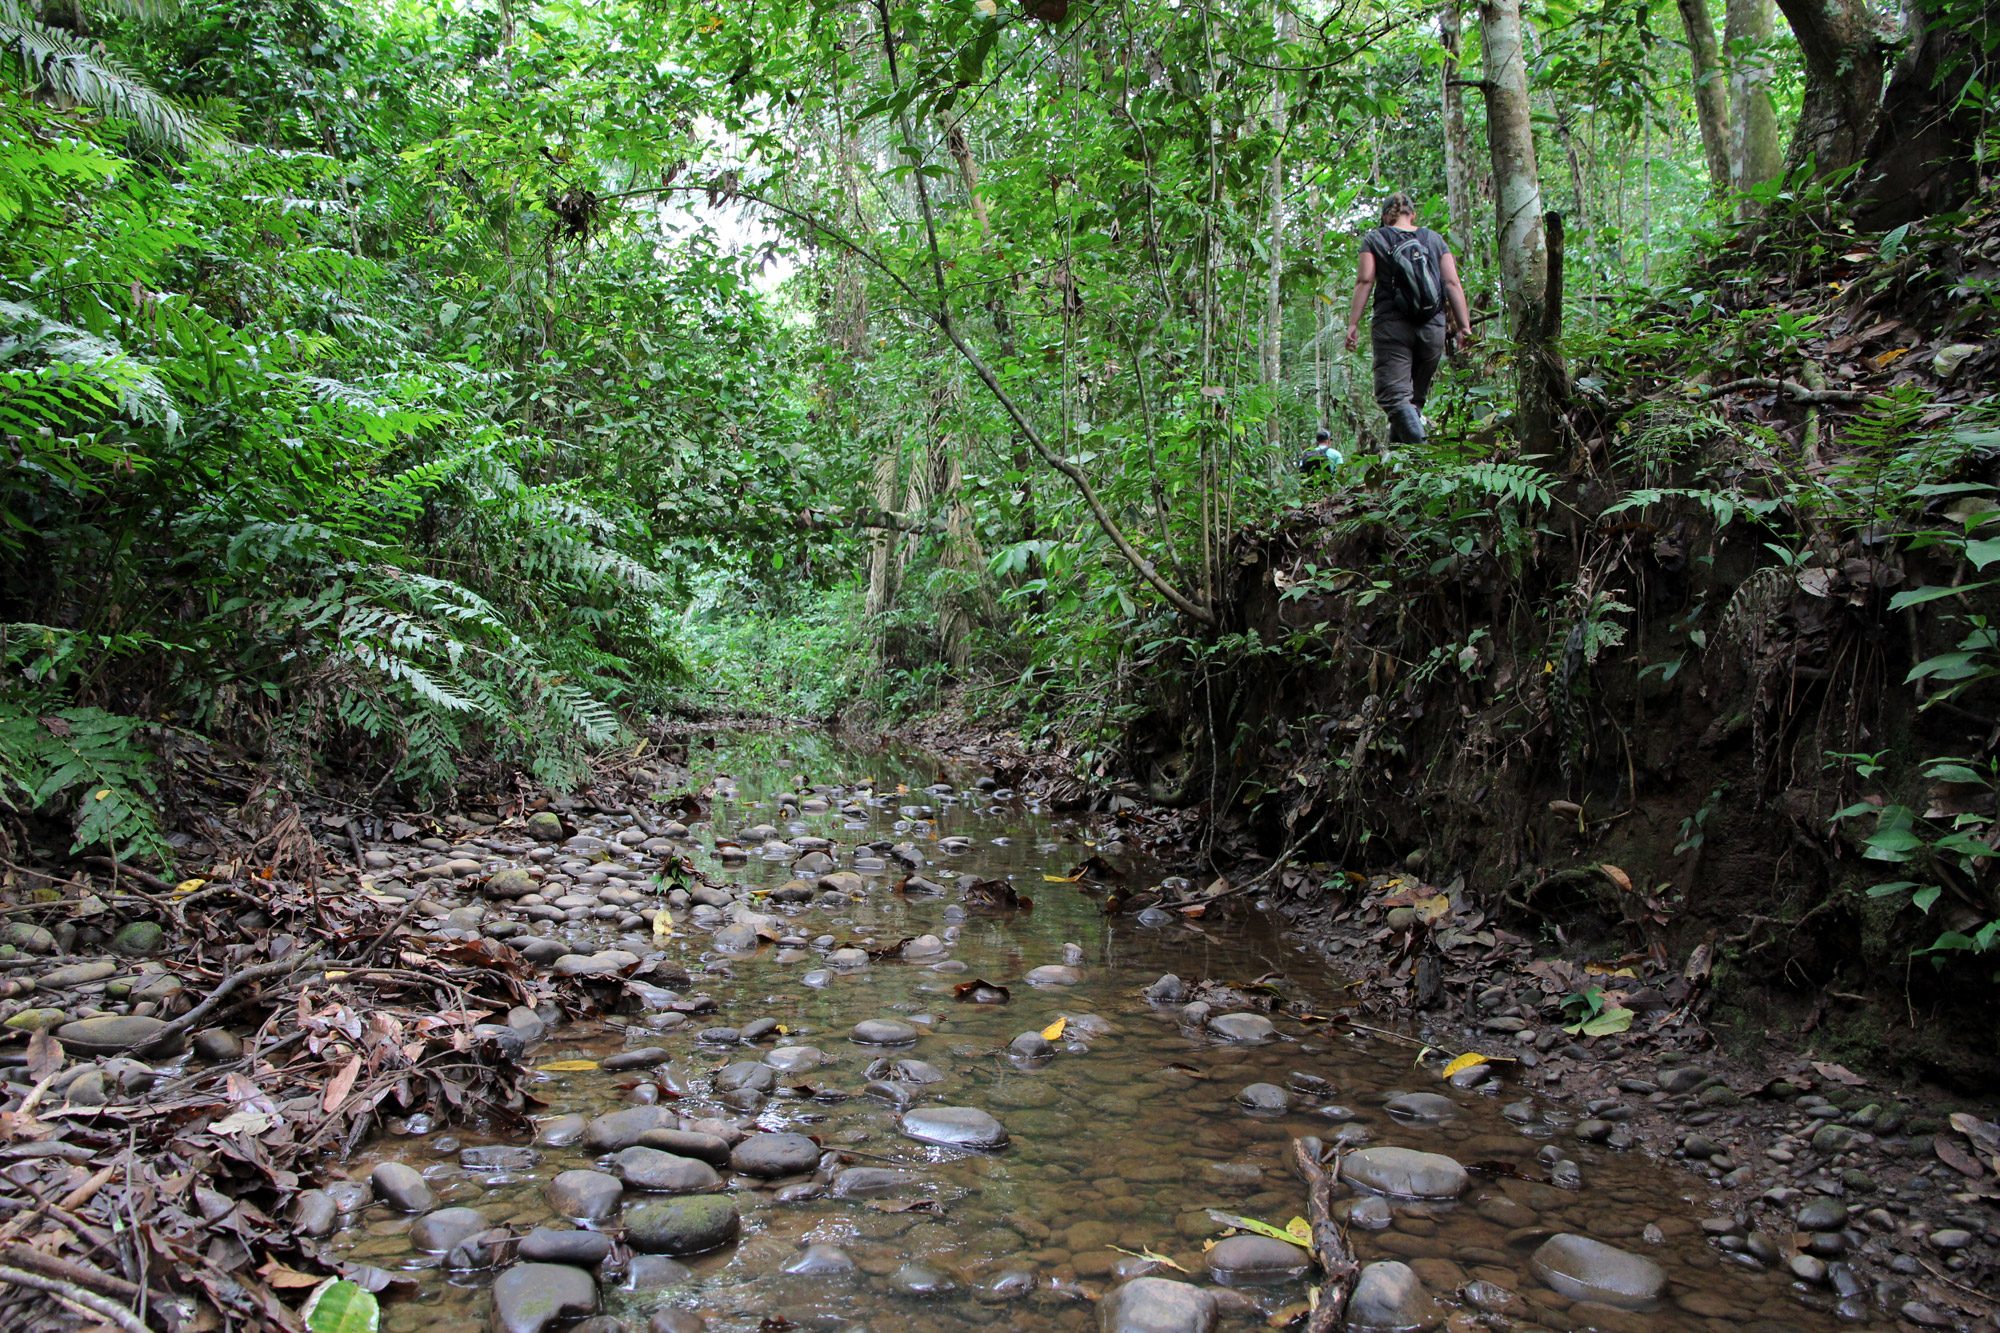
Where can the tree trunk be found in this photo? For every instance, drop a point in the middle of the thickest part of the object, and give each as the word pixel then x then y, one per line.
pixel 1922 158
pixel 1753 122
pixel 1271 363
pixel 1711 90
pixel 1518 231
pixel 1843 58
pixel 883 546
pixel 1457 140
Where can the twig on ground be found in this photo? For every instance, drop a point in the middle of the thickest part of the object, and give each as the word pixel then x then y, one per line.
pixel 1798 392
pixel 71 1294
pixel 1329 1243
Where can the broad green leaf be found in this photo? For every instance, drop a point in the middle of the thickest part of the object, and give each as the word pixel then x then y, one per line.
pixel 1918 596
pixel 1261 1228
pixel 340 1306
pixel 1603 1024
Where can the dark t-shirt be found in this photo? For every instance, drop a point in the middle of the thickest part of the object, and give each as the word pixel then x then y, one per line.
pixel 1381 243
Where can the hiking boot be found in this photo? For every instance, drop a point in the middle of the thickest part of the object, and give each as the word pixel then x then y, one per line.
pixel 1406 424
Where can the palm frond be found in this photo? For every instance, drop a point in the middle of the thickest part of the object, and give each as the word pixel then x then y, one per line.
pixel 85 74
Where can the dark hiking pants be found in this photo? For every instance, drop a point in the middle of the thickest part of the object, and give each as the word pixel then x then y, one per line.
pixel 1406 359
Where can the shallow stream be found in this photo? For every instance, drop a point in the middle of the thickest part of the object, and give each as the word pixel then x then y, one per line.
pixel 1120 1143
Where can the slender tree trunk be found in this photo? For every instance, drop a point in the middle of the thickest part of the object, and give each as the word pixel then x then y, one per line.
pixel 1519 237
pixel 1844 57
pixel 1457 140
pixel 1753 122
pixel 1711 90
pixel 1271 353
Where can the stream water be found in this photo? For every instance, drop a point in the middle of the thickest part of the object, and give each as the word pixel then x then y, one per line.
pixel 1120 1143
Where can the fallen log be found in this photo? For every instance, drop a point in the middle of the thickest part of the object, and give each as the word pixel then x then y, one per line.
pixel 1329 1243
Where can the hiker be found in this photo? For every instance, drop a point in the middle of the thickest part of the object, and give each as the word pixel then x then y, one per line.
pixel 1322 456
pixel 1419 286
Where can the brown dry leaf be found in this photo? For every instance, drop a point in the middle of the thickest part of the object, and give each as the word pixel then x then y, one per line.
pixel 278 1275
pixel 1957 1158
pixel 45 1055
pixel 1616 876
pixel 342 1084
pixel 1433 908
pixel 1839 1074
pixel 981 991
pixel 1984 1135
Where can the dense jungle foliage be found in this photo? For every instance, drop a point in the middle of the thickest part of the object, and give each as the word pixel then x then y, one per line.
pixel 398 391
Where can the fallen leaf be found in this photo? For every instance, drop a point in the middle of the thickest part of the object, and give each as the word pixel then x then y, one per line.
pixel 1603 1025
pixel 1466 1061
pixel 566 1067
pixel 1062 879
pixel 1983 1134
pixel 342 1084
pixel 243 1121
pixel 1616 876
pixel 1957 1158
pixel 45 1054
pixel 1300 1230
pixel 1433 908
pixel 980 991
pixel 188 886
pixel 1146 1252
pixel 1839 1074
pixel 1261 1228
pixel 278 1275
pixel 1949 359
pixel 1888 358
pixel 340 1306
pixel 1054 1031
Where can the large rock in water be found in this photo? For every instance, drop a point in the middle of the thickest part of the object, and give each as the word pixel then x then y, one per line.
pixel 1589 1270
pixel 437 1232
pixel 664 1172
pixel 884 1032
pixel 682 1226
pixel 621 1129
pixel 1405 1173
pixel 954 1127
pixel 1252 1028
pixel 1157 1305
pixel 1390 1298
pixel 1256 1260
pixel 769 1156
pixel 527 1298
pixel 590 1196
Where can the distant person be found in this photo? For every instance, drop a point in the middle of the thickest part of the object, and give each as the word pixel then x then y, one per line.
pixel 1419 288
pixel 1322 456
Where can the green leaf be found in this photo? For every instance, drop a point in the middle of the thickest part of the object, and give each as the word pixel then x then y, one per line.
pixel 1261 1228
pixel 1604 1024
pixel 1983 552
pixel 1893 887
pixel 1918 596
pixel 1946 770
pixel 340 1306
pixel 1923 898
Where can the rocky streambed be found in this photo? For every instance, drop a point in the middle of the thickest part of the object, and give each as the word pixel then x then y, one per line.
pixel 843 1079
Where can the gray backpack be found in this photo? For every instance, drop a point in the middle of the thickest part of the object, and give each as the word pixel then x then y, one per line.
pixel 1417 288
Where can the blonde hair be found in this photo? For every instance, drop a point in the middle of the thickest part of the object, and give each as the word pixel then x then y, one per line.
pixel 1396 205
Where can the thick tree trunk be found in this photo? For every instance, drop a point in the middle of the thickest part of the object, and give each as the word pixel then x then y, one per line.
pixel 1921 159
pixel 1843 58
pixel 1457 140
pixel 1711 90
pixel 1520 239
pixel 1753 122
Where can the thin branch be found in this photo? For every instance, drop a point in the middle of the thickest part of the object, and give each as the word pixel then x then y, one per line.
pixel 1799 393
pixel 71 1294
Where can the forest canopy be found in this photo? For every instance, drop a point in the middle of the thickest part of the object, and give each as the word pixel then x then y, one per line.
pixel 395 388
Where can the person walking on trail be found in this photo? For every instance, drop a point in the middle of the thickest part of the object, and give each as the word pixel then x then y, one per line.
pixel 1415 280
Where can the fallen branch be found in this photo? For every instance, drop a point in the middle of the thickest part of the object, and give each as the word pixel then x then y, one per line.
pixel 90 1279
pixel 1329 1244
pixel 120 869
pixel 229 985
pixel 71 1294
pixel 1799 393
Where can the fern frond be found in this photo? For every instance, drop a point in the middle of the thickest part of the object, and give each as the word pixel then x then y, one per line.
pixel 87 75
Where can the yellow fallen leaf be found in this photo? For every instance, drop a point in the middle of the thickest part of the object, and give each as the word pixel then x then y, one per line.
pixel 784 1031
pixel 1466 1061
pixel 1606 970
pixel 566 1067
pixel 101 795
pixel 1054 1031
pixel 1432 908
pixel 1889 358
pixel 1062 879
pixel 1300 1228
pixel 663 927
pixel 187 886
pixel 1146 1252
